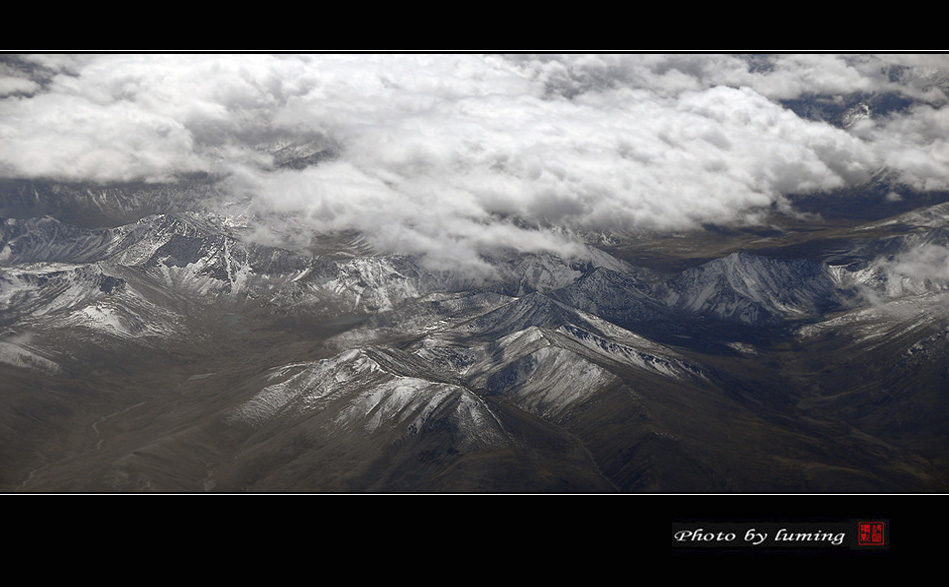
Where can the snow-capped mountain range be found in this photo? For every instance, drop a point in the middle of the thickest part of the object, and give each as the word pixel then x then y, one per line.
pixel 373 372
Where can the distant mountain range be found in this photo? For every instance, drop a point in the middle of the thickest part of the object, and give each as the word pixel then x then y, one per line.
pixel 149 344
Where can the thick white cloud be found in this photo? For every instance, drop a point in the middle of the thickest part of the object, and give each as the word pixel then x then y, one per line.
pixel 16 85
pixel 914 144
pixel 451 155
pixel 74 139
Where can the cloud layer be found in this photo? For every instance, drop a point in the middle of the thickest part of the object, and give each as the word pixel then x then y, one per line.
pixel 452 155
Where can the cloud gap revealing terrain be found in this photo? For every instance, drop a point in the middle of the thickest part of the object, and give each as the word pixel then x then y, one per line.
pixel 474 273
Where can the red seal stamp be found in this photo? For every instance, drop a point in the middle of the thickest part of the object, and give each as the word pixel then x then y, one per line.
pixel 871 534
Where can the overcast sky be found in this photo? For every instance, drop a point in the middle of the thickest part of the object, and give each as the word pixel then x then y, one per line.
pixel 439 154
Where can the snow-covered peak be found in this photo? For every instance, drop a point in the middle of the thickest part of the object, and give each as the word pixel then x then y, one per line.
pixel 754 289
